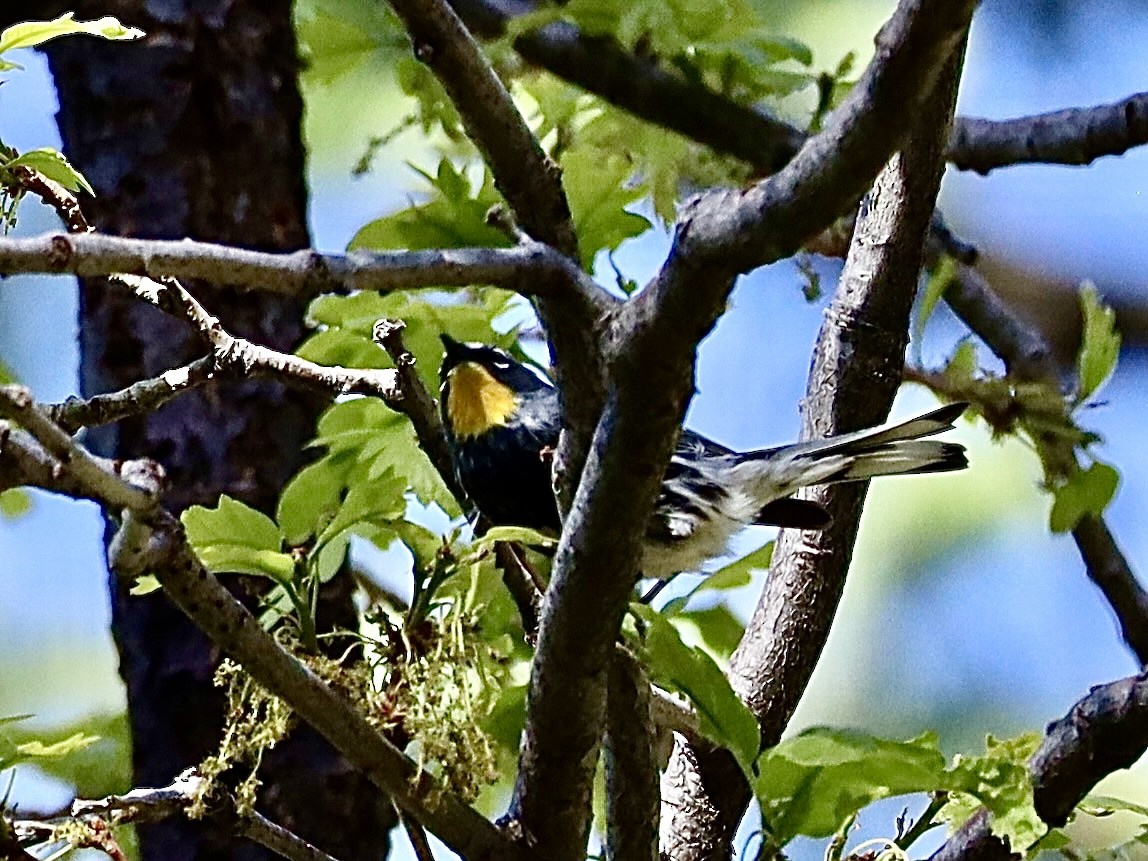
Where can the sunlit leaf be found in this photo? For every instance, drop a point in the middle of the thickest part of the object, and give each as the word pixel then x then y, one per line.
pixel 1099 343
pixel 1086 493
pixel 814 782
pixel 52 164
pixel 725 719
pixel 29 34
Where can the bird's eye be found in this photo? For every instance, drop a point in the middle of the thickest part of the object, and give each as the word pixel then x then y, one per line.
pixel 502 366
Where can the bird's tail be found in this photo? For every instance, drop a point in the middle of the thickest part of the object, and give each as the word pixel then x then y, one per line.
pixel 894 450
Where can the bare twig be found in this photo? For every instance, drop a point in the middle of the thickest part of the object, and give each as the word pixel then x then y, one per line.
pixel 298 273
pixel 418 404
pixel 153 805
pixel 108 481
pixel 238 353
pixel 1075 136
pixel 141 397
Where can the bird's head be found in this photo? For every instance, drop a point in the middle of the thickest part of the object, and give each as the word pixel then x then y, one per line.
pixel 482 387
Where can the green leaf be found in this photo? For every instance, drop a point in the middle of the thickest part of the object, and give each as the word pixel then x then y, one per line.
pixel 29 34
pixel 145 585
pixel 963 365
pixel 939 280
pixel 311 498
pixel 725 719
pixel 521 534
pixel 811 784
pixel 14 753
pixel 1087 492
pixel 739 573
pixel 368 502
pixel 14 502
pixel 1099 343
pixel 999 780
pixel 454 217
pixel 716 629
pixel 599 186
pixel 234 537
pixel 53 165
pixel 1106 805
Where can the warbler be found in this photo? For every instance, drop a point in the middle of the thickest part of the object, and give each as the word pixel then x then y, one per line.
pixel 502 422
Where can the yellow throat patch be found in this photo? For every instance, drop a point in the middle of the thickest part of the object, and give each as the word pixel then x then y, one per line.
pixel 477 401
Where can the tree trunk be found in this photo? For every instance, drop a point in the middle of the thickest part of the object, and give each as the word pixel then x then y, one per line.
pixel 195 131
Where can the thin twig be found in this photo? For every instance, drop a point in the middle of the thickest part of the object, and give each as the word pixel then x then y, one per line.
pixel 418 837
pixel 1076 136
pixel 145 805
pixel 136 399
pixel 418 405
pixel 106 481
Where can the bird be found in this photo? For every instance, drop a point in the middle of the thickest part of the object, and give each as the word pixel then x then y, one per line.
pixel 502 422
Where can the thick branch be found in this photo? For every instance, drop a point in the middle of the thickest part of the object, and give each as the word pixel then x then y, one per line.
pixel 236 632
pixel 1075 136
pixel 653 342
pixel 855 375
pixel 1105 731
pixel 299 273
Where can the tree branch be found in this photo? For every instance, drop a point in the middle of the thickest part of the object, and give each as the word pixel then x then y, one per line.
pixel 153 805
pixel 1026 354
pixel 230 352
pixel 1075 136
pixel 603 67
pixel 530 268
pixel 1104 731
pixel 855 375
pixel 418 405
pixel 68 464
pixel 151 540
pixel 652 350
pixel 142 397
pixel 631 766
pixel 527 178
pixel 638 85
